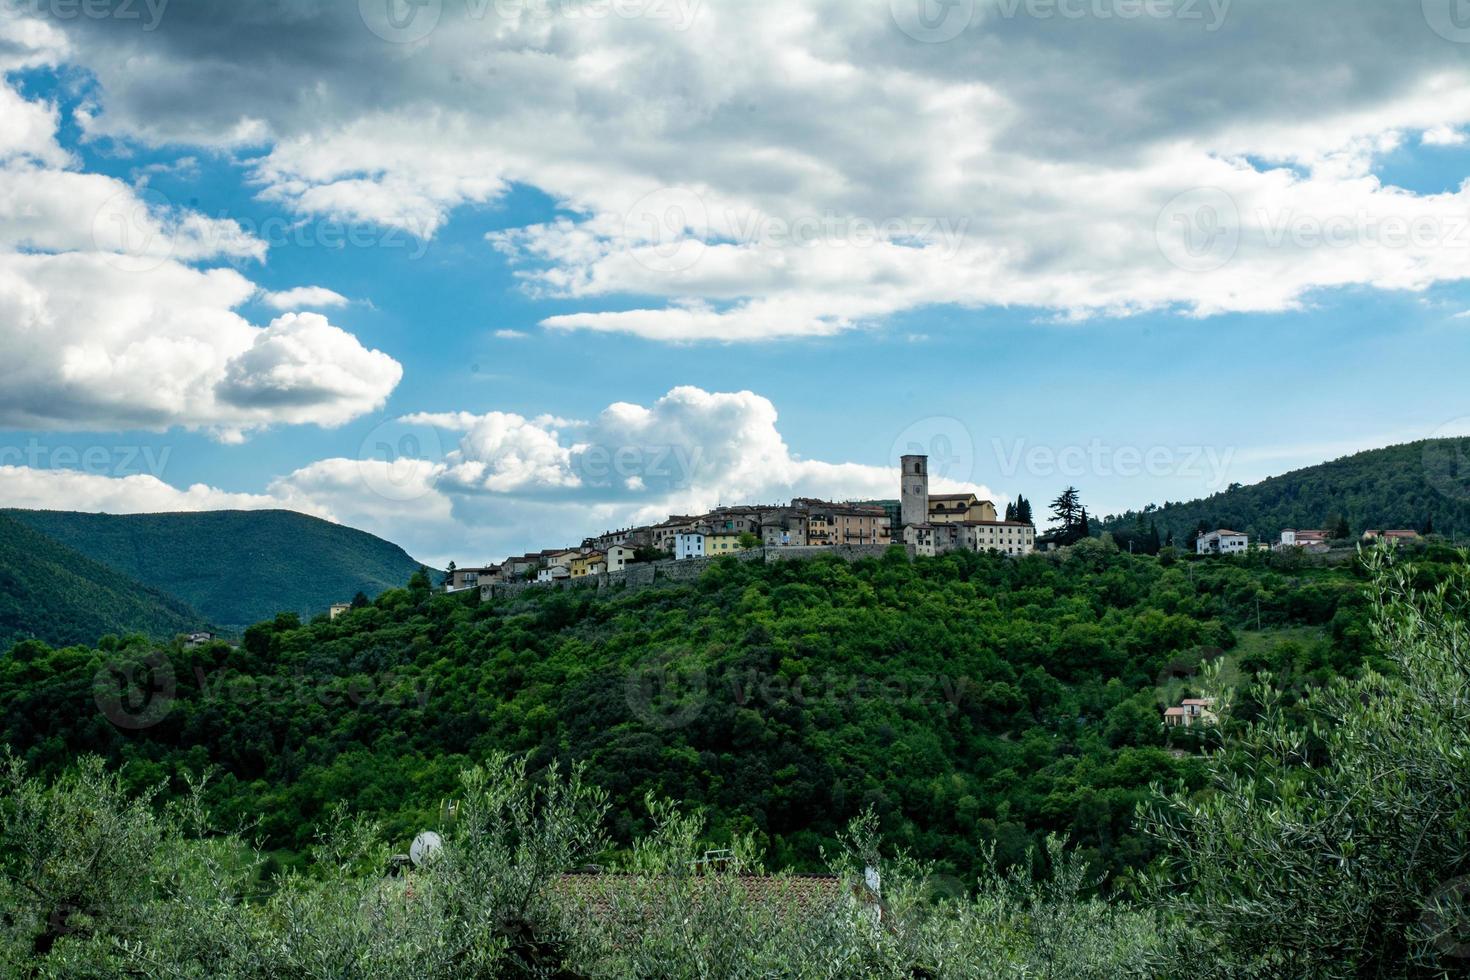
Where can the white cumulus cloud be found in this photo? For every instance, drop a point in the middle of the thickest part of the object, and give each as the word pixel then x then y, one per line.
pixel 304 297
pixel 815 167
pixel 111 318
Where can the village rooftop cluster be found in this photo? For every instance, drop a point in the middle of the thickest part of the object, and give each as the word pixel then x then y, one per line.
pixel 926 524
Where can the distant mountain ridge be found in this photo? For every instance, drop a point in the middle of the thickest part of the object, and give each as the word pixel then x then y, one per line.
pixel 1413 485
pixel 53 593
pixel 235 567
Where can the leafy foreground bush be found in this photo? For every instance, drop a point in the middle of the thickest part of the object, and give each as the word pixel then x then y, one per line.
pixel 1342 849
pixel 1333 851
pixel 99 884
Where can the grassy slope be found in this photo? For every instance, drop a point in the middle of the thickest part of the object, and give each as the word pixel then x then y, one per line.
pixel 50 592
pixel 235 567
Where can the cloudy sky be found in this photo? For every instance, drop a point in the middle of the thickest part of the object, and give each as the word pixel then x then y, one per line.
pixel 482 275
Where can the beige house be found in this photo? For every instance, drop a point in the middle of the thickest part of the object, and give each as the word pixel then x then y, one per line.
pixel 338 608
pixel 819 530
pixel 619 557
pixel 784 529
pixel 665 534
pixel 860 525
pixel 732 520
pixel 1191 712
pixel 470 578
pixel 1392 537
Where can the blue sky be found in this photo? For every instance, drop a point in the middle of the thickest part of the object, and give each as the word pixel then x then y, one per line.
pixel 1020 301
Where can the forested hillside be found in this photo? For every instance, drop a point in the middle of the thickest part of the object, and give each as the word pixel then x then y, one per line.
pixel 1320 839
pixel 235 567
pixel 966 699
pixel 1416 485
pixel 52 593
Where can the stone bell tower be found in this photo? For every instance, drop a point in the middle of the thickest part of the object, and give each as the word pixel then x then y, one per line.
pixel 914 490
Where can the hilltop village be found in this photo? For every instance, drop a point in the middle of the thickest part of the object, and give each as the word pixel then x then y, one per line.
pixel 924 523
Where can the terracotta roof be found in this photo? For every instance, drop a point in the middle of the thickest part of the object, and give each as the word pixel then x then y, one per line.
pixel 1174 712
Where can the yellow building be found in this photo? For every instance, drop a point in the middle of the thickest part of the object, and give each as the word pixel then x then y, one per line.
pixel 957 508
pixel 721 543
pixel 592 563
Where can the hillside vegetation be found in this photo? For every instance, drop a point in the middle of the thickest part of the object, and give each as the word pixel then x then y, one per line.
pixel 52 593
pixel 235 567
pixel 1335 849
pixel 1406 486
pixel 968 700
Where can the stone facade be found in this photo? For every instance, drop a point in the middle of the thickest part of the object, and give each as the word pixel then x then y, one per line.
pixel 914 490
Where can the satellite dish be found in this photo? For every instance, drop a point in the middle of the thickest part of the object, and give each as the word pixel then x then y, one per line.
pixel 426 846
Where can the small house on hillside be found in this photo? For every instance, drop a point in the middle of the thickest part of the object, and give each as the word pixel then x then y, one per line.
pixel 619 557
pixel 1222 542
pixel 461 579
pixel 1191 712
pixel 1392 537
pixel 1313 541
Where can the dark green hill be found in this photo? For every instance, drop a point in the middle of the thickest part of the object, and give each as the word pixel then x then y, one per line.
pixel 235 567
pixel 966 699
pixel 52 593
pixel 1403 486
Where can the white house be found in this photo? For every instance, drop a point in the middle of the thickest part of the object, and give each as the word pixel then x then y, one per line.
pixel 1221 542
pixel 1306 540
pixel 688 544
pixel 553 573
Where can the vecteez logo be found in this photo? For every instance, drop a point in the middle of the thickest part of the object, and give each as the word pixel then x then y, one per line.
pixel 932 21
pixel 663 695
pixel 135 693
pixel 1450 19
pixel 401 21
